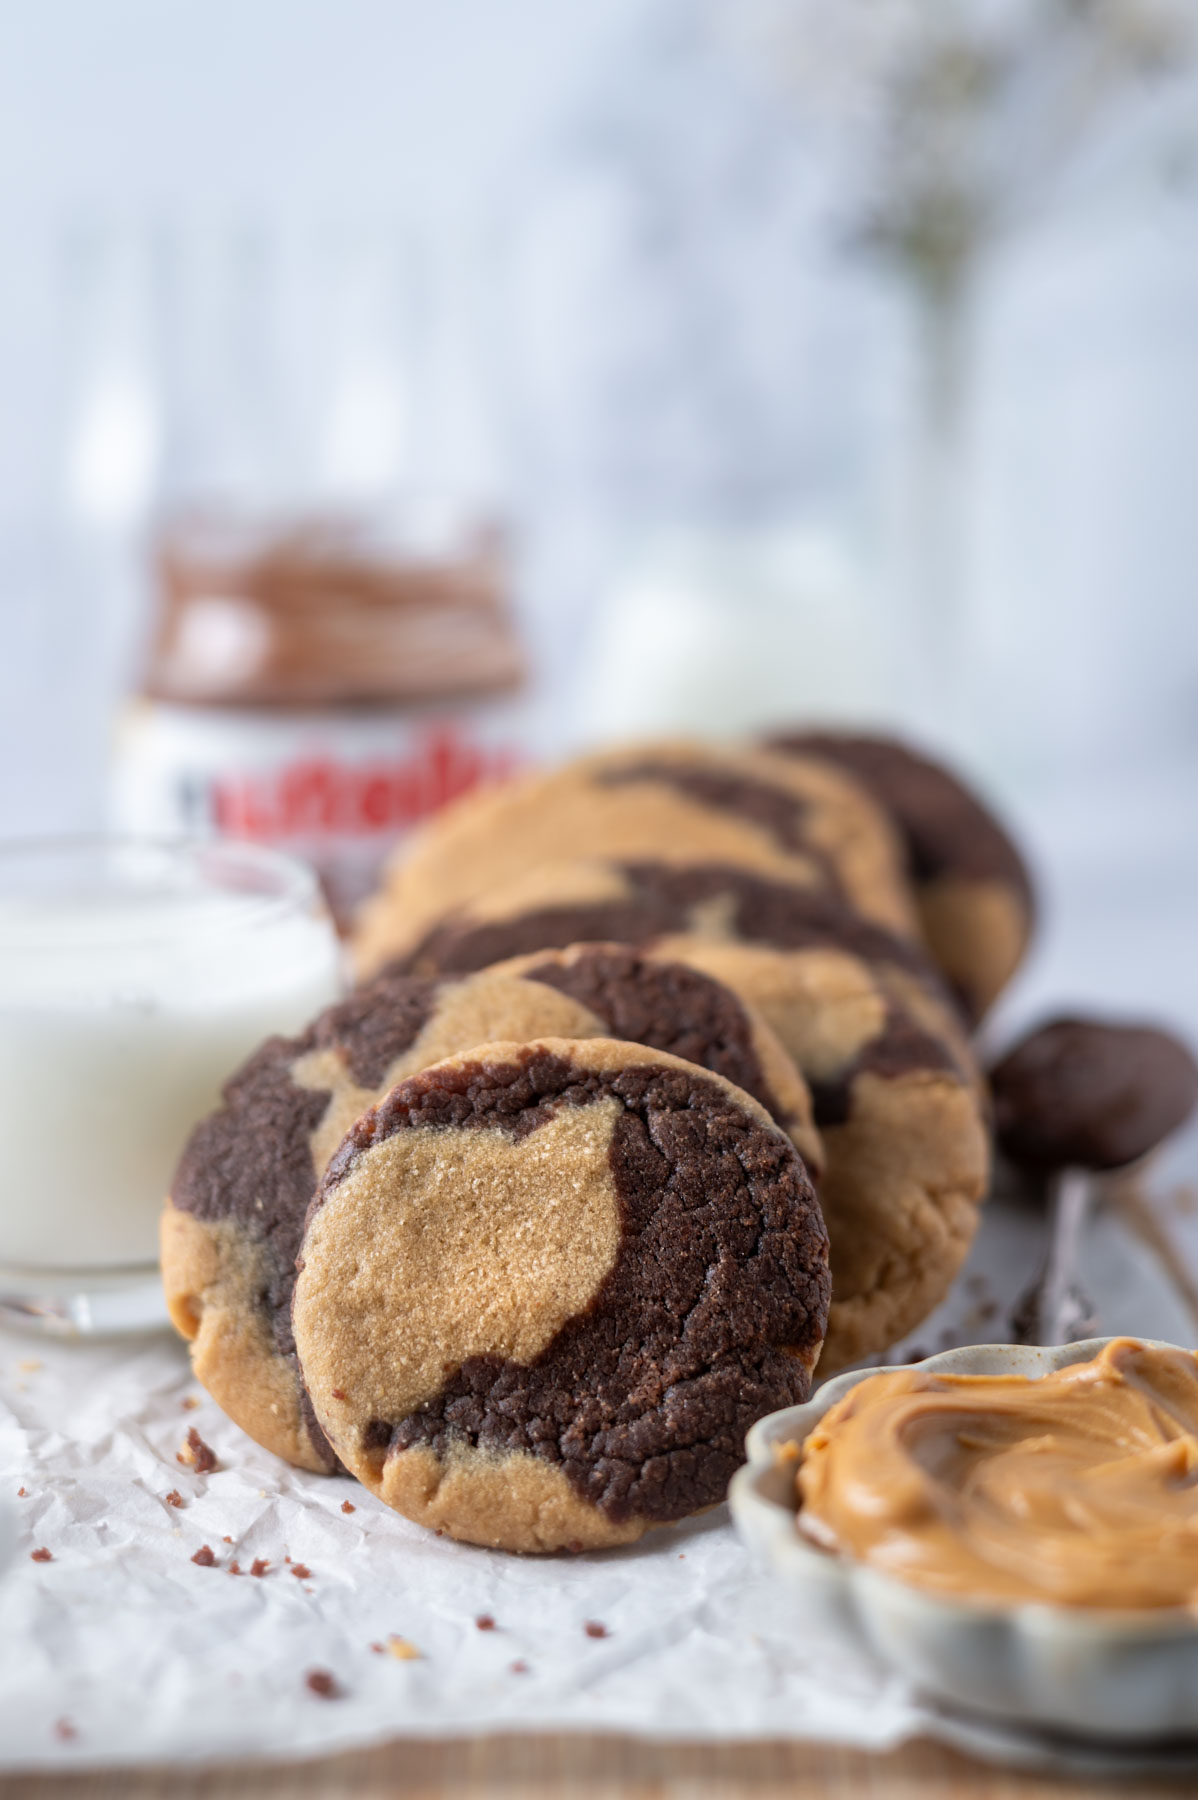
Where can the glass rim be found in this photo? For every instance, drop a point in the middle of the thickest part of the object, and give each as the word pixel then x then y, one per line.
pixel 293 889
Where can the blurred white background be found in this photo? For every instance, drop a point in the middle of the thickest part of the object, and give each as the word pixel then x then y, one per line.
pixel 595 264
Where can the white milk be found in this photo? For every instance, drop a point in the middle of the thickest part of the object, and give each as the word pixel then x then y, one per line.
pixel 121 1015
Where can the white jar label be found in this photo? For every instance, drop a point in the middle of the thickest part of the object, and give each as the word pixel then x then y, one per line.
pixel 340 789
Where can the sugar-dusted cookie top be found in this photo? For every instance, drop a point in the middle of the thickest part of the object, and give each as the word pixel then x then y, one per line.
pixel 545 1289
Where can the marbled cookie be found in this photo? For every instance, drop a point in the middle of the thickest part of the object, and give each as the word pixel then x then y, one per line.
pixel 867 1021
pixel 971 884
pixel 545 1288
pixel 901 1116
pixel 232 1225
pixel 668 1005
pixel 674 802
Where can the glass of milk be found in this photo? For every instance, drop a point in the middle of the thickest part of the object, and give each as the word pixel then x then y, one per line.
pixel 135 975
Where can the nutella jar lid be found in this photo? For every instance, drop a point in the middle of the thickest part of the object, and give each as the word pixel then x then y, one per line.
pixel 329 610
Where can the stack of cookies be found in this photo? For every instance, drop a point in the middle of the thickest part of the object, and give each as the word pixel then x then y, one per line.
pixel 657 1087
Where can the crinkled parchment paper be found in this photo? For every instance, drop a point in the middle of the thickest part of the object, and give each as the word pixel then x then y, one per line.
pixel 122 1649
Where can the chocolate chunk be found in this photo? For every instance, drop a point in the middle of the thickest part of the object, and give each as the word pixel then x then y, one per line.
pixel 321 1683
pixel 42 1555
pixel 1080 1093
pixel 666 1006
pixel 946 829
pixel 204 1557
pixel 197 1453
pixel 643 1399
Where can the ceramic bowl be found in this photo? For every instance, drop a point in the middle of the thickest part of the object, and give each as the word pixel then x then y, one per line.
pixel 1120 1676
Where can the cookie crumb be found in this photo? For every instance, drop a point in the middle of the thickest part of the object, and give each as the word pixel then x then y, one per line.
pixel 347 1506
pixel 519 1668
pixel 42 1555
pixel 319 1681
pixel 301 1571
pixel 259 1566
pixel 174 1498
pixel 204 1557
pixel 29 1365
pixel 64 1731
pixel 226 1540
pixel 401 1650
pixel 594 1629
pixel 485 1622
pixel 189 1403
pixel 197 1453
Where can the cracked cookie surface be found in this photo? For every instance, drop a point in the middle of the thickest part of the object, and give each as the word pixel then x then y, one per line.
pixel 545 1289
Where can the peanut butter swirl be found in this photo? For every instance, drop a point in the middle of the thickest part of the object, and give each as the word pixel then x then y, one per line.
pixel 1079 1488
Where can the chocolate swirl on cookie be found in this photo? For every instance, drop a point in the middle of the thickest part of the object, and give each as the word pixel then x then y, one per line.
pixel 704 1309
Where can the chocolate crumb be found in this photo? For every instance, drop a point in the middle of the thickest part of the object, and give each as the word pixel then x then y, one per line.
pixel 485 1622
pixel 519 1668
pixel 300 1571
pixel 377 1648
pixel 64 1731
pixel 235 1568
pixel 347 1506
pixel 286 1559
pixel 319 1681
pixel 594 1629
pixel 337 1393
pixel 575 1547
pixel 174 1498
pixel 42 1555
pixel 226 1540
pixel 196 1452
pixel 259 1566
pixel 204 1557
pixel 21 1495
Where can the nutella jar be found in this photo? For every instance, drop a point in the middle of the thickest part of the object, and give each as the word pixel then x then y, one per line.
pixel 321 687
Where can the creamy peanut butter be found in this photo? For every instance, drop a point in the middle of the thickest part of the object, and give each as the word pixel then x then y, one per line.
pixel 1080 1487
